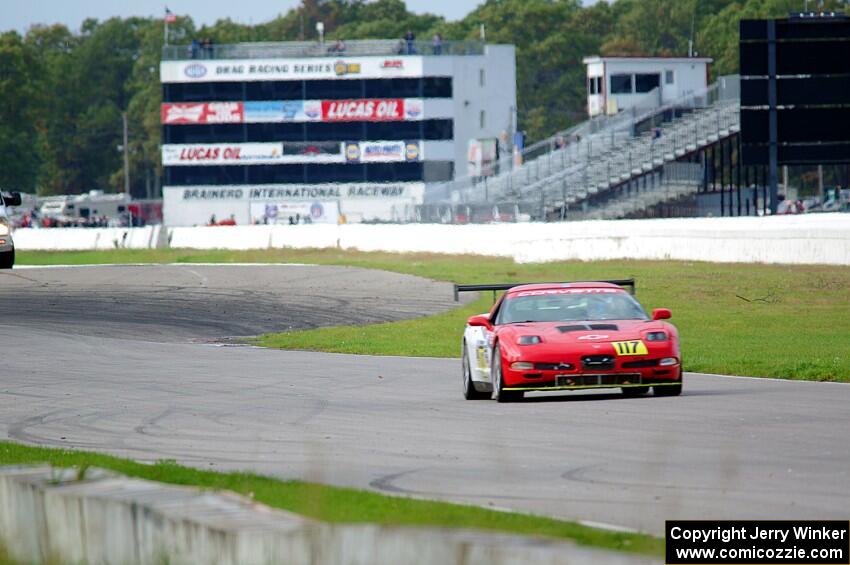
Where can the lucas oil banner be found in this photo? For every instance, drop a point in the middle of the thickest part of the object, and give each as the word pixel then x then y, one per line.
pixel 278 111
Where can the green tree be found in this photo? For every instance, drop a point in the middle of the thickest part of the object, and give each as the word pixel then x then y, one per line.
pixel 18 136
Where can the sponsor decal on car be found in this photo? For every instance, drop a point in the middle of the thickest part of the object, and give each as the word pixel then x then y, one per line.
pixel 547 291
pixel 629 348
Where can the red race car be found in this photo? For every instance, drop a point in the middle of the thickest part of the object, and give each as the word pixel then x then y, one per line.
pixel 568 336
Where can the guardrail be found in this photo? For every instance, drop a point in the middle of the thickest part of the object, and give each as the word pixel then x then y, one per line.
pixel 293 49
pixel 794 239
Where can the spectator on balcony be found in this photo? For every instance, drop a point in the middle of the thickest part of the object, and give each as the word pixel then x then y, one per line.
pixel 338 47
pixel 409 38
pixel 656 135
pixel 194 47
pixel 437 42
pixel 207 48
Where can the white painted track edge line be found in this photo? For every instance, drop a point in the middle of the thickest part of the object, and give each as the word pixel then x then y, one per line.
pixel 84 265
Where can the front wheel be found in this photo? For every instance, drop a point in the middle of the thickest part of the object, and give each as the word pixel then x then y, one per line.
pixel 669 390
pixel 631 391
pixel 499 393
pixel 7 260
pixel 469 391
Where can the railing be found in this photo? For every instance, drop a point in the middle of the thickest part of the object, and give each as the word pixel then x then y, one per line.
pixel 293 49
pixel 601 153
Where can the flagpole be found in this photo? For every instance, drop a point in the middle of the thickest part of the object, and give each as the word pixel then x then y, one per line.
pixel 166 29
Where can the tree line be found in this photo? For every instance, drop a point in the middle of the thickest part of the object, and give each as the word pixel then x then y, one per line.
pixel 63 92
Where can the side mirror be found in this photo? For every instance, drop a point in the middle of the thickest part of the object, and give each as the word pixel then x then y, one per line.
pixel 480 320
pixel 661 314
pixel 12 199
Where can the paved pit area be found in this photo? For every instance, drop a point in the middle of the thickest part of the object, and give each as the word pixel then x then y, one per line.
pixel 201 302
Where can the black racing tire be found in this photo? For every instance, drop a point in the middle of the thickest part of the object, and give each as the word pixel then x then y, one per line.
pixel 632 391
pixel 669 390
pixel 7 260
pixel 499 393
pixel 469 391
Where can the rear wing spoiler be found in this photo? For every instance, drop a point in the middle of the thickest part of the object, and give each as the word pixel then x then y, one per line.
pixel 458 288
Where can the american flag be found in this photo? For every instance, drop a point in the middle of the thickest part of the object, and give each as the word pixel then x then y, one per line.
pixel 170 18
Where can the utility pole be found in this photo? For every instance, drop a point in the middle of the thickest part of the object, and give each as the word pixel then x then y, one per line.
pixel 126 158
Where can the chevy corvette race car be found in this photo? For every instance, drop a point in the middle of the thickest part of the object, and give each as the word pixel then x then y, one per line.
pixel 568 336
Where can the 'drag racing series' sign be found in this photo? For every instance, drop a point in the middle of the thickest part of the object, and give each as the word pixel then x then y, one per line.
pixel 230 70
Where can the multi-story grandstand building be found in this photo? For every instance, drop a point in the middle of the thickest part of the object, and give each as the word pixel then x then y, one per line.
pixel 273 131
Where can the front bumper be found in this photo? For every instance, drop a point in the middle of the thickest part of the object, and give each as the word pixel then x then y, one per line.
pixel 577 380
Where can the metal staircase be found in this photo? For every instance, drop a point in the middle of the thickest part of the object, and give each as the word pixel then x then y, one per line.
pixel 613 167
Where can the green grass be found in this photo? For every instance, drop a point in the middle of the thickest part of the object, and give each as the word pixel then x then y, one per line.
pixel 335 504
pixel 759 320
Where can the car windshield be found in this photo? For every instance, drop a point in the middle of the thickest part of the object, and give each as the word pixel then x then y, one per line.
pixel 548 306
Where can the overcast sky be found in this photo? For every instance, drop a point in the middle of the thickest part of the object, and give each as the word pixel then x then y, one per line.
pixel 21 14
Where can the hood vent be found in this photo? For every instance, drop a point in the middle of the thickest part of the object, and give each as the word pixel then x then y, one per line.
pixel 587 327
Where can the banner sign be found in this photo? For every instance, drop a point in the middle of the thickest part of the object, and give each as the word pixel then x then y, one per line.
pixel 313 149
pixel 290 152
pixel 382 151
pixel 362 110
pixel 369 110
pixel 300 192
pixel 305 212
pixel 237 70
pixel 222 154
pixel 203 113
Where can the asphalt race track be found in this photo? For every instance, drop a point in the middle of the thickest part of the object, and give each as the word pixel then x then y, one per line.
pixel 727 448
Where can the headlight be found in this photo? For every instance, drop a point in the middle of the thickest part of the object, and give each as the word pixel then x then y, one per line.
pixel 656 336
pixel 668 361
pixel 4 226
pixel 522 366
pixel 529 340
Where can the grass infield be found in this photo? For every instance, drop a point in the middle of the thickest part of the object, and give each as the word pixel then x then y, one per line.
pixel 335 504
pixel 787 321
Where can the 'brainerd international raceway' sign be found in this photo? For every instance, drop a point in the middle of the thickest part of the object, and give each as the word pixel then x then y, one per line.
pixel 197 205
pixel 297 192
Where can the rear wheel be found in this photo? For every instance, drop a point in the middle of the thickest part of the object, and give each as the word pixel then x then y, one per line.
pixel 634 390
pixel 7 259
pixel 469 391
pixel 499 393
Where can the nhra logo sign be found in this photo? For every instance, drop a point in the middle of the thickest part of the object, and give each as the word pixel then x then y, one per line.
pixel 195 70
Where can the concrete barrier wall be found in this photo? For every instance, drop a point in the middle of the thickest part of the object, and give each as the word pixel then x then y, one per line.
pixel 806 239
pixel 87 239
pixel 108 519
